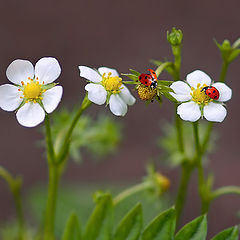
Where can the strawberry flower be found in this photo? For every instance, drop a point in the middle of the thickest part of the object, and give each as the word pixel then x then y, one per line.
pixel 195 102
pixel 105 86
pixel 33 92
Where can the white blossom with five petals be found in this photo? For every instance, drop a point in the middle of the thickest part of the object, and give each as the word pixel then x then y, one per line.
pixel 106 87
pixel 33 92
pixel 195 102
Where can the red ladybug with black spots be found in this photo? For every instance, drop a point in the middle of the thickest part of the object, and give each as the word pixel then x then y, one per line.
pixel 212 92
pixel 149 80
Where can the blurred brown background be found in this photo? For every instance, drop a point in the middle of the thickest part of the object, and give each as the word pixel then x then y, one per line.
pixel 120 34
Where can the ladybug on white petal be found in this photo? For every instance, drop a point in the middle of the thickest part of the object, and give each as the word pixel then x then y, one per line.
pixel 211 91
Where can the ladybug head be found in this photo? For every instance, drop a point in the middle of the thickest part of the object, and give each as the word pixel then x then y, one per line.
pixel 153 84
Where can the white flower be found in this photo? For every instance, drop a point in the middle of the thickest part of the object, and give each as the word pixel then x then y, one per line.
pixel 196 103
pixel 106 87
pixel 33 92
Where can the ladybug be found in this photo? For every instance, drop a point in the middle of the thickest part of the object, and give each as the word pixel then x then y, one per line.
pixel 149 80
pixel 212 92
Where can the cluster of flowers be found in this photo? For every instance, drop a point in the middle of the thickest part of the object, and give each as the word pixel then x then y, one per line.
pixel 34 92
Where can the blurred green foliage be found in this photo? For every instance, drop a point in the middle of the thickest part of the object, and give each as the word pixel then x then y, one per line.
pixel 100 136
pixel 169 142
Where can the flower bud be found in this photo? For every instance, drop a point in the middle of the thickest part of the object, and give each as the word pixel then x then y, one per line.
pixel 175 37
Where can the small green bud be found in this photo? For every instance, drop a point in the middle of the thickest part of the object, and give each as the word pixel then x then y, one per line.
pixel 175 37
pixel 228 52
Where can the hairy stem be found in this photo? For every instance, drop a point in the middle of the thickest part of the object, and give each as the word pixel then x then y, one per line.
pixel 182 190
pixel 223 71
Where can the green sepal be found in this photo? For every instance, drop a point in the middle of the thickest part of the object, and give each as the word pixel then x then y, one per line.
pixel 72 229
pixel 169 96
pixel 131 76
pixel 227 234
pixel 164 82
pixel 134 72
pixel 100 222
pixel 49 86
pixel 130 226
pixel 162 227
pixel 195 230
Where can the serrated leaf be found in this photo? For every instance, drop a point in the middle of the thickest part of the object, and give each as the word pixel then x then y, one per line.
pixel 195 230
pixel 227 234
pixel 100 222
pixel 131 225
pixel 72 229
pixel 134 72
pixel 162 227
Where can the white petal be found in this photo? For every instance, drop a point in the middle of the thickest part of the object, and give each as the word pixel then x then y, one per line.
pixel 89 74
pixel 9 97
pixel 127 96
pixel 51 98
pixel 117 106
pixel 47 70
pixel 198 76
pixel 96 93
pixel 189 111
pixel 182 91
pixel 30 114
pixel 214 112
pixel 20 70
pixel 106 70
pixel 225 92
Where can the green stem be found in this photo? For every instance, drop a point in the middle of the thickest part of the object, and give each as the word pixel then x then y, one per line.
pixel 206 138
pixel 15 185
pixel 55 165
pixel 179 129
pixel 50 150
pixel 201 181
pixel 131 191
pixel 54 178
pixel 225 190
pixel 182 190
pixel 223 71
pixel 65 146
pixel 177 61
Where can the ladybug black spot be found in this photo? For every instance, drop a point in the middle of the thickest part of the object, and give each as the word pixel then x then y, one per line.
pixel 145 77
pixel 215 97
pixel 140 77
pixel 214 91
pixel 145 82
pixel 153 72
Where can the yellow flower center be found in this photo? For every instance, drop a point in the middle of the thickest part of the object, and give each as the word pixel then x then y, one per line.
pixel 199 96
pixel 112 84
pixel 146 93
pixel 32 91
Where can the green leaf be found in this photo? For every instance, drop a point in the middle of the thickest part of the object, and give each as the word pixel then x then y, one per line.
pixel 72 229
pixel 227 234
pixel 100 222
pixel 131 225
pixel 162 227
pixel 195 230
